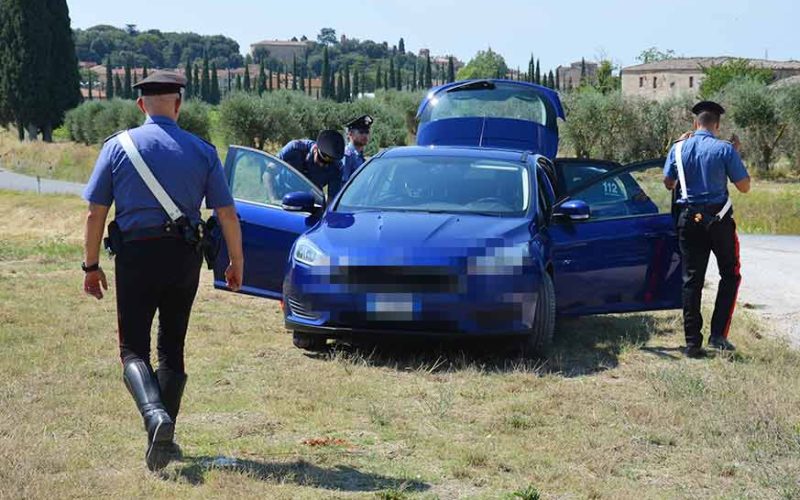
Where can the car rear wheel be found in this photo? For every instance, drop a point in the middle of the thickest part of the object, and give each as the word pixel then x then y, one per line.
pixel 540 339
pixel 307 342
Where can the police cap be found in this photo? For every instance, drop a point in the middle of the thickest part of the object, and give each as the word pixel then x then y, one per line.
pixel 708 106
pixel 331 144
pixel 362 123
pixel 161 82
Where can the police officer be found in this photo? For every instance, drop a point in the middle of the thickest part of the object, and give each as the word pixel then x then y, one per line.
pixel 700 167
pixel 320 161
pixel 156 268
pixel 358 131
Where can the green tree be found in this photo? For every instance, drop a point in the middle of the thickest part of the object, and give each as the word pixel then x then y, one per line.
pixel 401 46
pixel 378 76
pixel 716 77
pixel 294 72
pixel 340 97
pixel 262 79
pixel 327 36
pixel 531 70
pixel 127 91
pixel 144 71
pixel 118 90
pixel 239 86
pixel 451 70
pixel 606 81
pixel 583 71
pixel 485 64
pixel 538 74
pixel 214 95
pixel 109 79
pixel 754 109
pixel 205 81
pixel 653 54
pixel 428 75
pixel 356 85
pixel 197 82
pixel 392 76
pixel 190 83
pixel 246 80
pixel 348 91
pixel 558 80
pixel 326 71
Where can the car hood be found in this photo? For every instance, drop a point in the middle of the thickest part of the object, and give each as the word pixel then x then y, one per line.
pixel 405 233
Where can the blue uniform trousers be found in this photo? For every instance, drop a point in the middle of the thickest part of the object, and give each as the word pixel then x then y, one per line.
pixel 697 239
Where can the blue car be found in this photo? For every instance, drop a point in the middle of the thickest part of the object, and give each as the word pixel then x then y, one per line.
pixel 475 231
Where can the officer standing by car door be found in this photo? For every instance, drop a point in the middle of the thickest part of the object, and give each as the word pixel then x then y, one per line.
pixel 156 237
pixel 320 161
pixel 700 166
pixel 358 131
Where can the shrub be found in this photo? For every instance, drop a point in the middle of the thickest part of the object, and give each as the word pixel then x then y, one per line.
pixel 194 118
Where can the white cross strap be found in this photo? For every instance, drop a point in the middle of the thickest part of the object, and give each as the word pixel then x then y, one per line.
pixel 147 176
pixel 681 174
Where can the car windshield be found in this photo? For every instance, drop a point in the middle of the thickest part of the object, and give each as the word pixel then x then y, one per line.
pixel 494 101
pixel 440 184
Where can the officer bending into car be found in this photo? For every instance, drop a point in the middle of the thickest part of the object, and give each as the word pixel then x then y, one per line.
pixel 358 131
pixel 699 167
pixel 157 240
pixel 320 161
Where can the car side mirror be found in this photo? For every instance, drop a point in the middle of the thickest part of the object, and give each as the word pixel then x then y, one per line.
pixel 574 210
pixel 299 201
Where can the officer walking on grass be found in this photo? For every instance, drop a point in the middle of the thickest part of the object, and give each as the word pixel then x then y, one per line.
pixel 320 161
pixel 358 131
pixel 700 167
pixel 156 239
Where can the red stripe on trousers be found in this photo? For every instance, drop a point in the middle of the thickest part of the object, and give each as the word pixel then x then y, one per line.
pixel 736 295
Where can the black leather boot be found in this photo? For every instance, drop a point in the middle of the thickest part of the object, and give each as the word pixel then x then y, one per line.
pixel 160 428
pixel 172 384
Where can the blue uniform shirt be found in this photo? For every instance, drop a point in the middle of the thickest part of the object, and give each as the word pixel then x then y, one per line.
pixel 708 163
pixel 353 159
pixel 186 166
pixel 298 154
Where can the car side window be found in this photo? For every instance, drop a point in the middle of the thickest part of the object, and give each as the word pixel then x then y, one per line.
pixel 546 196
pixel 261 178
pixel 630 193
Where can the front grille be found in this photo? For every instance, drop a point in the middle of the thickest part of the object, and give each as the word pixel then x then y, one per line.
pixel 426 323
pixel 300 310
pixel 396 279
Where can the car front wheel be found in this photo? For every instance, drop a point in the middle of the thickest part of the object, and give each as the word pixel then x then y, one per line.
pixel 307 342
pixel 540 338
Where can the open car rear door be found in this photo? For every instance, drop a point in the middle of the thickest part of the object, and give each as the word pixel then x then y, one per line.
pixel 624 256
pixel 258 182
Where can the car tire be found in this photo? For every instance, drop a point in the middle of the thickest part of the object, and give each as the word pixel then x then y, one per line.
pixel 540 339
pixel 308 342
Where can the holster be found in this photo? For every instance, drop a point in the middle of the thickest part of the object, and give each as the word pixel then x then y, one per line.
pixel 210 241
pixel 113 242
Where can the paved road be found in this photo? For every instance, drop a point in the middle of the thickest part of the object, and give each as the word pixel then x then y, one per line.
pixel 770 281
pixel 770 276
pixel 17 182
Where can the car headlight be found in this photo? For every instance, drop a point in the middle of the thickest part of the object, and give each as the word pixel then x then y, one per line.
pixel 308 253
pixel 499 261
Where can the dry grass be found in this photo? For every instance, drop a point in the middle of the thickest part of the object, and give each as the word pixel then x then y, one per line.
pixel 60 160
pixel 616 413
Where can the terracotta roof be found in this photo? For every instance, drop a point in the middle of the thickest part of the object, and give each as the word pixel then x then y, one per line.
pixel 695 63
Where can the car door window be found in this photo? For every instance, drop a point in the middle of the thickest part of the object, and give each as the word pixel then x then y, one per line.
pixel 261 178
pixel 631 192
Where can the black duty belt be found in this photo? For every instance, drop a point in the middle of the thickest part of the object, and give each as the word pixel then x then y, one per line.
pixel 151 233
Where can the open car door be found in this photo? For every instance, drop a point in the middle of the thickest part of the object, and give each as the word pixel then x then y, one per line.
pixel 615 246
pixel 258 182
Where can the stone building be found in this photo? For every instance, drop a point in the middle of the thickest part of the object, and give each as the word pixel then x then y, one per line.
pixel 281 50
pixel 570 76
pixel 662 79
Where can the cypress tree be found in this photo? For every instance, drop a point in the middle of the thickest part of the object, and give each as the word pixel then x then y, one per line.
pixel 230 80
pixel 428 76
pixel 197 82
pixel 392 76
pixel 538 74
pixel 340 97
pixel 421 80
pixel 205 82
pixel 90 74
pixel 414 78
pixel 399 78
pixel 214 95
pixel 246 82
pixel 401 46
pixel 239 87
pixel 310 84
pixel 451 70
pixel 356 85
pixel 135 81
pixel 386 80
pixel 378 75
pixel 294 71
pixel 348 91
pixel 64 79
pixel 109 79
pixel 144 71
pixel 558 80
pixel 270 85
pixel 189 80
pixel 262 79
pixel 326 74
pixel 127 92
pixel 551 80
pixel 285 77
pixel 118 91
pixel 583 71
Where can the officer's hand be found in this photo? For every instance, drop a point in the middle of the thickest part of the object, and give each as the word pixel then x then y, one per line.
pixel 233 276
pixel 686 135
pixel 92 283
pixel 737 144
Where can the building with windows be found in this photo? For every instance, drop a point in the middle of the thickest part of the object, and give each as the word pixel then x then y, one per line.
pixel 281 50
pixel 662 79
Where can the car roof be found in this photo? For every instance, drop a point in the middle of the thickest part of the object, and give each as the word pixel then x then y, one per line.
pixel 465 151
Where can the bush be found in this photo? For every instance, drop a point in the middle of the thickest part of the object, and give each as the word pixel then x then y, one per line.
pixel 194 118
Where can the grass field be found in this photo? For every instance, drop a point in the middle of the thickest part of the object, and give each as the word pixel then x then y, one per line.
pixel 615 412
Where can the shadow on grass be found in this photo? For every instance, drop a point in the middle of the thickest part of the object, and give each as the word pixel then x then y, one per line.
pixel 300 472
pixel 583 346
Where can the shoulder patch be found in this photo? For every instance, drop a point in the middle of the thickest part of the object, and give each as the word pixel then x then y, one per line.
pixel 112 136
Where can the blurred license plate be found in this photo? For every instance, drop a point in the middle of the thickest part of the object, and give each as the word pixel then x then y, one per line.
pixel 390 307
